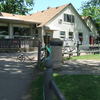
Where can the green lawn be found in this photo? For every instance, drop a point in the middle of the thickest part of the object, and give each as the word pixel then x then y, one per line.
pixel 87 57
pixel 37 90
pixel 74 87
pixel 79 87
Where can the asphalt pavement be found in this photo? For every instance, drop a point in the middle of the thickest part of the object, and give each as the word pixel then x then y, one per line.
pixel 15 78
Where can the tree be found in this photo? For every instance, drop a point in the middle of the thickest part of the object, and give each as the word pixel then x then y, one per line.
pixel 92 8
pixel 16 6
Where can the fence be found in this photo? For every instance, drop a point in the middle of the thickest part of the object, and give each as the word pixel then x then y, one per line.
pixel 16 44
pixel 89 48
pixel 9 43
pixel 50 86
pixel 79 49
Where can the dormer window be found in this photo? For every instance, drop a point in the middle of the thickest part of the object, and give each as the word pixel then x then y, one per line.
pixel 69 18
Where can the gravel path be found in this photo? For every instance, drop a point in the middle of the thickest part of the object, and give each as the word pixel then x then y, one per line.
pixel 15 78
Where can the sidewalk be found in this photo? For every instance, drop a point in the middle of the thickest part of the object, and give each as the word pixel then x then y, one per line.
pixel 15 78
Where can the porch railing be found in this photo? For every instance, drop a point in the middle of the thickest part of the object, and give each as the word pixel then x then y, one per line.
pixel 8 44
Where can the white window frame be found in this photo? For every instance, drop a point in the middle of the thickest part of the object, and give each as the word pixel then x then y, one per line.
pixel 62 35
pixel 69 18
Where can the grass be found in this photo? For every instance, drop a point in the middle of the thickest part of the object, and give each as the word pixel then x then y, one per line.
pixel 37 89
pixel 74 87
pixel 79 87
pixel 86 57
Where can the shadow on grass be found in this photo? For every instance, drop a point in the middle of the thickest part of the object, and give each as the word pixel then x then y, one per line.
pixel 79 87
pixel 74 87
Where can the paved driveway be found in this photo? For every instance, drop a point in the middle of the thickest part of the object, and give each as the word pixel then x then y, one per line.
pixel 15 78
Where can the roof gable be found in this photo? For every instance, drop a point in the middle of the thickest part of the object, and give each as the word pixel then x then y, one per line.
pixel 44 16
pixel 80 17
pixel 63 8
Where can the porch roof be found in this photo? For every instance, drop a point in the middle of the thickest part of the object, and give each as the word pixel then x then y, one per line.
pixel 46 15
pixel 15 18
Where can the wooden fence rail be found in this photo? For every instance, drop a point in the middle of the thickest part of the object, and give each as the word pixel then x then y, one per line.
pixel 79 49
pixel 50 86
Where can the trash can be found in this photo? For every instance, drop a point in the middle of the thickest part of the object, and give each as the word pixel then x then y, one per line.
pixel 56 53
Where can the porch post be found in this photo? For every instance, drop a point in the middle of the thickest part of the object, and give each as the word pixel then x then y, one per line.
pixel 10 31
pixel 42 36
pixel 31 30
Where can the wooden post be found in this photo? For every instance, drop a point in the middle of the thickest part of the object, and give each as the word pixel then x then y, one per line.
pixel 47 85
pixel 78 48
pixel 98 48
pixel 39 54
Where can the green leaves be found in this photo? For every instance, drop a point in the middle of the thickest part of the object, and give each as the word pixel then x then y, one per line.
pixel 16 6
pixel 92 8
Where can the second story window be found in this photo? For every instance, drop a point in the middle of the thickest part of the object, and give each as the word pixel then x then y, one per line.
pixel 69 18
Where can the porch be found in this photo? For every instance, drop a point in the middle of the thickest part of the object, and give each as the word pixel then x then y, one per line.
pixel 17 34
pixel 9 30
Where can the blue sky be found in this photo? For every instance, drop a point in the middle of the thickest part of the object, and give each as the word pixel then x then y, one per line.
pixel 43 4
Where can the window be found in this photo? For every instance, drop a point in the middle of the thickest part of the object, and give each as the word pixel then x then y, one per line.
pixel 80 37
pixel 72 17
pixel 69 18
pixel 35 33
pixel 70 35
pixel 18 31
pixel 62 35
pixel 4 30
pixel 65 17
